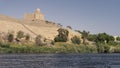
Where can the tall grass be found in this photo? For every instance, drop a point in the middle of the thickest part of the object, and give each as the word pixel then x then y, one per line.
pixel 57 48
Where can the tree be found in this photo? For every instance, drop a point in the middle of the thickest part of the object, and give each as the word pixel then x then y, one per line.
pixel 75 40
pixel 20 34
pixel 118 38
pixel 110 39
pixel 38 40
pixel 92 37
pixel 62 36
pixel 69 27
pixel 10 37
pixel 104 38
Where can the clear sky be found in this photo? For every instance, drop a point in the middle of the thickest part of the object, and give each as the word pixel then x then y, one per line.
pixel 91 15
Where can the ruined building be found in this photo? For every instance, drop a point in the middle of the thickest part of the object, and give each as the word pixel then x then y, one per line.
pixel 37 15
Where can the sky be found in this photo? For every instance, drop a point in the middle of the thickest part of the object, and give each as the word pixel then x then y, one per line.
pixel 96 16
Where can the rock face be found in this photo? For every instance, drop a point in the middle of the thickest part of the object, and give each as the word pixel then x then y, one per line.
pixel 37 15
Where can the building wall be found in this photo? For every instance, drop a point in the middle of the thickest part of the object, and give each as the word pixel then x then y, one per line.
pixel 37 15
pixel 29 16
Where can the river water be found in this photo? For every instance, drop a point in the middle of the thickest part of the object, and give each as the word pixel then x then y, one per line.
pixel 60 61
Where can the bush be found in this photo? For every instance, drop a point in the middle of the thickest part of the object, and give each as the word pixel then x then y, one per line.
pixel 10 37
pixel 103 48
pixel 60 39
pixel 106 48
pixel 117 49
pixel 4 45
pixel 27 37
pixel 118 38
pixel 62 36
pixel 113 43
pixel 20 34
pixel 38 40
pixel 75 40
pixel 92 37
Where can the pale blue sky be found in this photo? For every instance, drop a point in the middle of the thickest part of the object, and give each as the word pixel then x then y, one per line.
pixel 91 15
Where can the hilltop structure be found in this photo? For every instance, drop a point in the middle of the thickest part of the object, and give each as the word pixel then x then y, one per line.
pixel 34 24
pixel 37 15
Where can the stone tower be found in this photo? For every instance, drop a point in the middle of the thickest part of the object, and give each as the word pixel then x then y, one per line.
pixel 37 15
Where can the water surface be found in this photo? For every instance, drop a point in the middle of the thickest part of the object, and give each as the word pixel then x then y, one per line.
pixel 60 61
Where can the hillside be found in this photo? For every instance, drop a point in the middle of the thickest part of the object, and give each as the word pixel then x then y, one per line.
pixel 46 29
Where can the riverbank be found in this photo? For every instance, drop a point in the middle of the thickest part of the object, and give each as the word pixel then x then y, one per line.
pixel 57 48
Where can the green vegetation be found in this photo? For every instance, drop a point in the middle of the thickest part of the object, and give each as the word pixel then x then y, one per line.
pixel 104 38
pixel 118 38
pixel 20 34
pixel 75 40
pixel 97 43
pixel 92 37
pixel 27 37
pixel 58 48
pixel 84 35
pixel 103 48
pixel 10 37
pixel 62 36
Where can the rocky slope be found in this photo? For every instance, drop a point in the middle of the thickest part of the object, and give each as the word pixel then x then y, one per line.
pixel 46 29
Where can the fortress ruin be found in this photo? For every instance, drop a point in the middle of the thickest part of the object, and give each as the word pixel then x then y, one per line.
pixel 37 15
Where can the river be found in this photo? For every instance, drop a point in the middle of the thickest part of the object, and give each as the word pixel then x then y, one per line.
pixel 59 60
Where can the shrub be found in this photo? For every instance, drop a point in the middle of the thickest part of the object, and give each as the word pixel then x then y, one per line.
pixel 117 49
pixel 4 45
pixel 48 22
pixel 118 38
pixel 103 48
pixel 100 48
pixel 62 36
pixel 20 34
pixel 38 40
pixel 113 43
pixel 75 40
pixel 92 37
pixel 106 48
pixel 10 37
pixel 27 37
pixel 60 39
